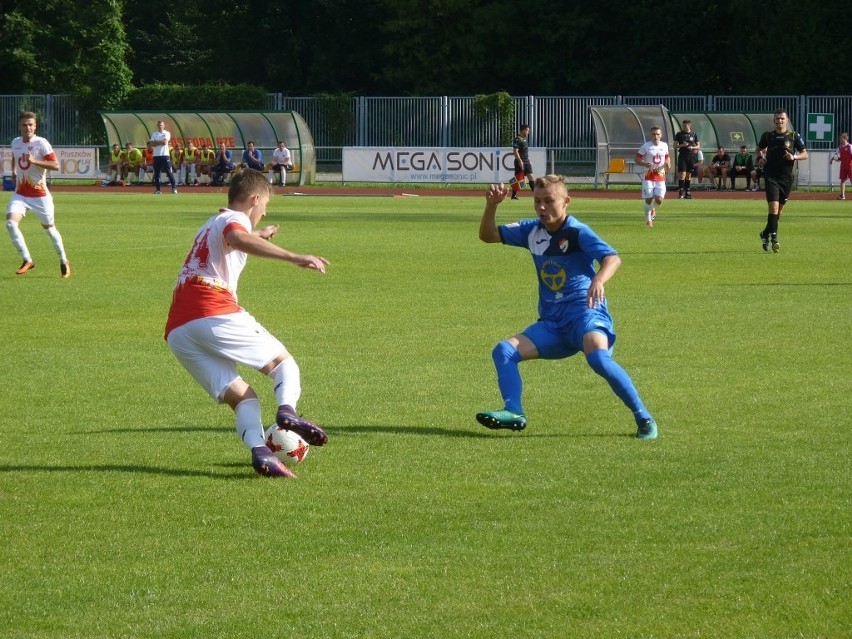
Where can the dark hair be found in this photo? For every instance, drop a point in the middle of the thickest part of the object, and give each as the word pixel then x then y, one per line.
pixel 523 126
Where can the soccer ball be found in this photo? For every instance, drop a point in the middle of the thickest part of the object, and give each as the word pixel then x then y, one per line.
pixel 287 445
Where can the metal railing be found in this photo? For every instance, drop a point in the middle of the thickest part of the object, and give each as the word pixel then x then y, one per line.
pixel 561 124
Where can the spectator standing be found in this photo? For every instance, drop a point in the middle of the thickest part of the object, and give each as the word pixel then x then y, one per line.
pixel 779 149
pixel 159 144
pixel 32 158
pixel 281 163
pixel 844 156
pixel 687 144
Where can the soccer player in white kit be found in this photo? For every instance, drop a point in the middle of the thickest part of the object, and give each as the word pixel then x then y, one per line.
pixel 210 333
pixel 654 157
pixel 32 158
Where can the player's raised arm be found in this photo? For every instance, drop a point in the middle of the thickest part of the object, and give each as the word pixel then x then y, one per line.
pixel 488 231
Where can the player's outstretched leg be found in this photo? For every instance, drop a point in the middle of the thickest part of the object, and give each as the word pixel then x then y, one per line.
pixel 602 363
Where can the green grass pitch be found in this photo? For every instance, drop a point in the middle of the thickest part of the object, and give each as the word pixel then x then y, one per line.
pixel 129 509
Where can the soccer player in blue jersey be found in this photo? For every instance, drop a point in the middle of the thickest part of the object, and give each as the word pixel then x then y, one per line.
pixel 573 315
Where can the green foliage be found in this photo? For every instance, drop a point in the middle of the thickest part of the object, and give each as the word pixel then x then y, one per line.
pixel 337 115
pixel 499 107
pixel 419 47
pixel 128 508
pixel 206 97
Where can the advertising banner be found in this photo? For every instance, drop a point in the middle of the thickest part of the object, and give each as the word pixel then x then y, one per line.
pixel 446 165
pixel 75 163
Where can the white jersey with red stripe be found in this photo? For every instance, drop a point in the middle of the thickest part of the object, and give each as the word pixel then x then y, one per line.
pixel 657 155
pixel 32 179
pixel 207 283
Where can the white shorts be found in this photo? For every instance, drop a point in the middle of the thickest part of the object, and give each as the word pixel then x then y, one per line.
pixel 211 347
pixel 41 206
pixel 653 188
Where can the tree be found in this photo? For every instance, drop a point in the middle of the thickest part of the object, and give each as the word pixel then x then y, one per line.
pixel 425 47
pixel 68 48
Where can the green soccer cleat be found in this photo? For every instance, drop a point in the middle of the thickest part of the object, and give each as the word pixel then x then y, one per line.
pixel 502 419
pixel 647 429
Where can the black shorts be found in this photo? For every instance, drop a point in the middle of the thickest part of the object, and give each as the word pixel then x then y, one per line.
pixel 526 167
pixel 778 188
pixel 685 162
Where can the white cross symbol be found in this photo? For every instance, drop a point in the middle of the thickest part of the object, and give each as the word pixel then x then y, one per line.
pixel 820 127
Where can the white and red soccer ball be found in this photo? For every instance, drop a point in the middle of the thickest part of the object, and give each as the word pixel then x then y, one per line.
pixel 287 445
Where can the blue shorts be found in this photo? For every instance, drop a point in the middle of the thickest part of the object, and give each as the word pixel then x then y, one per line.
pixel 557 340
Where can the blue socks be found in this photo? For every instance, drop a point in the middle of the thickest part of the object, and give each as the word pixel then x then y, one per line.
pixel 602 363
pixel 506 360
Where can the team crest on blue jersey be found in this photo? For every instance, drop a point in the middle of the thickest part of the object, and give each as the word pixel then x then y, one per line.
pixel 553 275
pixel 564 245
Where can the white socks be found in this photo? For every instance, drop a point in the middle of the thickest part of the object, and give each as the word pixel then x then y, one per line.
pixel 18 239
pixel 56 238
pixel 287 384
pixel 249 425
